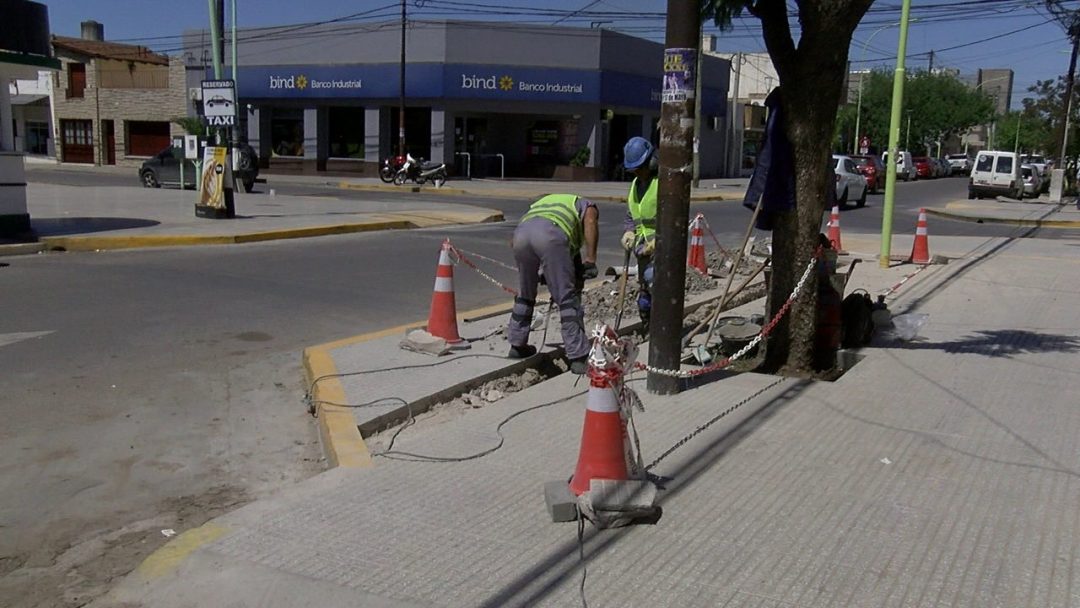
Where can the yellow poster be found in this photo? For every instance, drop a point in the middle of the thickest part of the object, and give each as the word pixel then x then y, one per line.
pixel 211 184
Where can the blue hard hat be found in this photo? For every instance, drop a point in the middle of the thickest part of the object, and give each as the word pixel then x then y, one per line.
pixel 636 152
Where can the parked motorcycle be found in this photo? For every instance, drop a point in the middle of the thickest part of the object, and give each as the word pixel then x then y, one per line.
pixel 420 172
pixel 390 168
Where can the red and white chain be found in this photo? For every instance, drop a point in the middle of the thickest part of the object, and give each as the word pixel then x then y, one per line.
pixel 765 331
pixel 461 257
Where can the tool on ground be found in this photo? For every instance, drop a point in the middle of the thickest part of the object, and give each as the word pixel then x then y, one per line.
pixel 609 486
pixel 834 229
pixel 734 269
pixel 696 256
pixel 920 250
pixel 621 301
pixel 714 314
pixel 442 319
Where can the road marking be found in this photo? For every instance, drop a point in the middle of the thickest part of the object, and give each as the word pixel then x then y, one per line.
pixel 169 557
pixel 6 339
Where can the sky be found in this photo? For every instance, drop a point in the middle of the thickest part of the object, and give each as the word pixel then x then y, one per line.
pixel 964 34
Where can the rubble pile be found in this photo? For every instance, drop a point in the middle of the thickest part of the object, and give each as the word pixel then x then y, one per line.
pixel 496 389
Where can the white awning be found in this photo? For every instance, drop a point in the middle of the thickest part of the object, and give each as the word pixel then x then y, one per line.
pixel 23 99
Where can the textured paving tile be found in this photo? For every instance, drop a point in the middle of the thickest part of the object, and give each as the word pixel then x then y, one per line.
pixel 941 472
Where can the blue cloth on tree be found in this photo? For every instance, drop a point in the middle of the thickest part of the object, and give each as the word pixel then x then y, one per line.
pixel 773 179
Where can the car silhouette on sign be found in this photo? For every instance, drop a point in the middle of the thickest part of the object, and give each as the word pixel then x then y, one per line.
pixel 218 100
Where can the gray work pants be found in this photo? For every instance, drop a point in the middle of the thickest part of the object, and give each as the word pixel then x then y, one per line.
pixel 538 242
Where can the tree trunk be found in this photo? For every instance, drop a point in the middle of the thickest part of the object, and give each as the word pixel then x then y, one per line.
pixel 811 78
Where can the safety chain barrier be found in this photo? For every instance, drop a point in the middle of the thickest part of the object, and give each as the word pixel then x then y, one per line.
pixel 714 420
pixel 765 331
pixel 461 257
pixel 487 259
pixel 892 289
pixel 724 251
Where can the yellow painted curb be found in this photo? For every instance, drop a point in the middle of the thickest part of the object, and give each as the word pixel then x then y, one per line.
pixel 386 221
pixel 342 443
pixel 1024 223
pixel 501 193
pixel 169 557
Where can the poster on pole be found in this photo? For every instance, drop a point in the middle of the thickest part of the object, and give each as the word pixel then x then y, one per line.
pixel 680 67
pixel 212 180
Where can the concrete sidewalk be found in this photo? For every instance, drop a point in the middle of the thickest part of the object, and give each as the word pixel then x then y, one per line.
pixel 940 471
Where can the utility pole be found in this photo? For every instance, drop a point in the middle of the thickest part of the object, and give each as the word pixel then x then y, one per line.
pixel 682 44
pixel 907 138
pixel 697 112
pixel 232 26
pixel 1074 34
pixel 894 137
pixel 735 160
pixel 930 65
pixel 401 87
pixel 215 37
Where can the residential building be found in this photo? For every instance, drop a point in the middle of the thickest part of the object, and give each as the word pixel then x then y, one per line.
pixel 32 115
pixel 113 103
pixel 754 78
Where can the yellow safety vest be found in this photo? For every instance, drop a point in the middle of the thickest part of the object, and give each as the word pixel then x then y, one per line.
pixel 643 211
pixel 561 210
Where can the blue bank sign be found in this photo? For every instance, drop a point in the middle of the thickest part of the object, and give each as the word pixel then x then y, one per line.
pixel 452 81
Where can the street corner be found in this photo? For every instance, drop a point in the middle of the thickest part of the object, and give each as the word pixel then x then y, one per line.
pixel 342 444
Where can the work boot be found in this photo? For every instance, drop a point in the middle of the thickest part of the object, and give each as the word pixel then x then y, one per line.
pixel 522 352
pixel 644 321
pixel 579 365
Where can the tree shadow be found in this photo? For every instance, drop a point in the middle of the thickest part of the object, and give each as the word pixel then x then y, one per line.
pixel 561 562
pixel 62 226
pixel 999 343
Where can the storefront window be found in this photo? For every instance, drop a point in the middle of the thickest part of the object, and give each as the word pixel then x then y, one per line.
pixel 287 131
pixel 346 126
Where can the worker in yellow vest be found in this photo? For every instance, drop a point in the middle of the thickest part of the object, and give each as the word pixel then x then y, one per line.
pixel 549 237
pixel 640 225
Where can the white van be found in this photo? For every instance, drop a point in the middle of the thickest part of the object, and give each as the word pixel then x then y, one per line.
pixel 905 166
pixel 996 173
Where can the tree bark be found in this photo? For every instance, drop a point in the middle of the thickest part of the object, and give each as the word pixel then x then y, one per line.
pixel 811 78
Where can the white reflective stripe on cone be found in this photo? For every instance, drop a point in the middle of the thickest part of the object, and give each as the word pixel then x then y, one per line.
pixel 920 231
pixel 602 400
pixel 444 258
pixel 444 284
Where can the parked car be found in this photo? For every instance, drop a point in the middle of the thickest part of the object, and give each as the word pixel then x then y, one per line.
pixel 959 164
pixel 995 173
pixel 943 164
pixel 1032 180
pixel 873 169
pixel 850 182
pixel 164 168
pixel 1038 160
pixel 905 167
pixel 924 167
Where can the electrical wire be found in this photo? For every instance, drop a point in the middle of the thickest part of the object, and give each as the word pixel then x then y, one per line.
pixel 392 454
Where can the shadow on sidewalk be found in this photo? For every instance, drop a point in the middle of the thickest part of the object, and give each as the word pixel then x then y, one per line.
pixel 79 225
pixel 1001 343
pixel 561 563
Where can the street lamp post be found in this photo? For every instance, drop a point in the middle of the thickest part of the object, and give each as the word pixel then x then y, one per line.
pixel 862 77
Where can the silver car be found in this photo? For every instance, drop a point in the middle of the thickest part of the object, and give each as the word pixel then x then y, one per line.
pixel 850 182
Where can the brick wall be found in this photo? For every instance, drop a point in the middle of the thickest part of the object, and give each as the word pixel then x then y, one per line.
pixel 118 105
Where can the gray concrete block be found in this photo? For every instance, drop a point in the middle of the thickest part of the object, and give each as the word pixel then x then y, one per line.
pixel 561 502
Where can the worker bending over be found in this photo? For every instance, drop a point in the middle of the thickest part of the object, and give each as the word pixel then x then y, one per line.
pixel 550 237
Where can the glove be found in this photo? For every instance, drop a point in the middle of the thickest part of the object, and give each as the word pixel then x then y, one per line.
pixel 588 271
pixel 628 240
pixel 649 247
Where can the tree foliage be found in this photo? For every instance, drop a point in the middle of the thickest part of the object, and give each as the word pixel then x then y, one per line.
pixel 811 65
pixel 939 105
pixel 1043 111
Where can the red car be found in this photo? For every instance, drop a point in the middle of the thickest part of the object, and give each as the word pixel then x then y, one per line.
pixel 924 168
pixel 873 169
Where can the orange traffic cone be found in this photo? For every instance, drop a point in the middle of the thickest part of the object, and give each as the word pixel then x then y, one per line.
pixel 920 250
pixel 602 454
pixel 442 320
pixel 834 229
pixel 696 258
